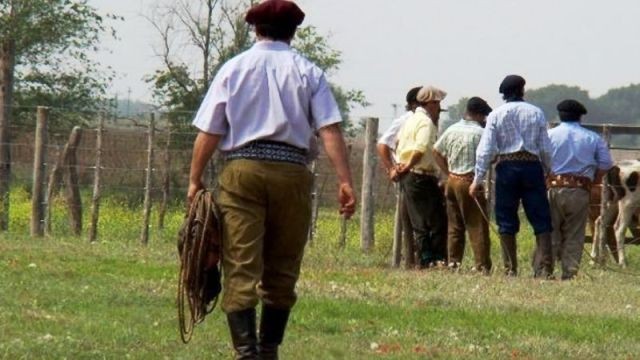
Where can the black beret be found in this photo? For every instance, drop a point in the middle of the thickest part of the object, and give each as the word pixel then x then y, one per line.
pixel 511 83
pixel 572 107
pixel 477 105
pixel 275 12
pixel 412 95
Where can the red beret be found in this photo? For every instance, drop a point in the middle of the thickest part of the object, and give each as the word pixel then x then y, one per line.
pixel 275 12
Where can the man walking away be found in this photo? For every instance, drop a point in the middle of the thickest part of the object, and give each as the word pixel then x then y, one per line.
pixel 455 153
pixel 417 172
pixel 517 133
pixel 260 112
pixel 579 157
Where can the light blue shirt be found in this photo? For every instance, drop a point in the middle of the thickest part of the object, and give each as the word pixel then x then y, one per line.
pixel 268 92
pixel 512 127
pixel 578 151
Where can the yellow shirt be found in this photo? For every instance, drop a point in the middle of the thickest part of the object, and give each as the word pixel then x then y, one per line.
pixel 417 134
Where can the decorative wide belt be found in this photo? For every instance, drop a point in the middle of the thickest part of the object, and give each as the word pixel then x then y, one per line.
pixel 267 150
pixel 518 156
pixel 569 181
pixel 468 177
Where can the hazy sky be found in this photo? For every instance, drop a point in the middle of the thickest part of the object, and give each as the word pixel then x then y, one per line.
pixel 465 47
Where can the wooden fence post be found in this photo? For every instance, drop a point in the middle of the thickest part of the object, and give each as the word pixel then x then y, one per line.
pixel 367 233
pixel 39 158
pixel 397 230
pixel 166 180
pixel 72 187
pixel 604 223
pixel 144 237
pixel 315 201
pixel 342 239
pixel 95 198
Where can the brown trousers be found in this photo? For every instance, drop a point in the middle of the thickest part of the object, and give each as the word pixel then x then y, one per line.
pixel 266 210
pixel 463 214
pixel 569 212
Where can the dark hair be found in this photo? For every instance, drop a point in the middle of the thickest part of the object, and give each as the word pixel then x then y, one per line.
pixel 566 116
pixel 514 94
pixel 281 32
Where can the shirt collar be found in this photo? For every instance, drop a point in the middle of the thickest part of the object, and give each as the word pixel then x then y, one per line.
pixel 271 45
pixel 571 123
pixel 469 122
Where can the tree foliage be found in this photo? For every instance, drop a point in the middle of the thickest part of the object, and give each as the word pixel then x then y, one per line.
pixel 617 106
pixel 53 40
pixel 198 37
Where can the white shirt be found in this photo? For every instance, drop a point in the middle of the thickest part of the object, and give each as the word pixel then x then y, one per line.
pixel 268 92
pixel 390 137
pixel 512 127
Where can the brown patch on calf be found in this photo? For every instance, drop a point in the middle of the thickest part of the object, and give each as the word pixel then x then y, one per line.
pixel 632 181
pixel 615 190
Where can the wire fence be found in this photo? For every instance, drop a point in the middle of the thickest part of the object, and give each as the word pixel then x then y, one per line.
pixel 127 170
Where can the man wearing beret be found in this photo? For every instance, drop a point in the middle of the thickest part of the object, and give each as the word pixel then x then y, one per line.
pixel 455 154
pixel 579 157
pixel 516 132
pixel 417 172
pixel 260 112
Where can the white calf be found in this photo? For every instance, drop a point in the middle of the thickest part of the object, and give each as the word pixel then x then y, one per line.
pixel 622 197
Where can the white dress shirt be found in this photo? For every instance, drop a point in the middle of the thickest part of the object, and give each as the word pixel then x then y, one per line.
pixel 268 92
pixel 390 137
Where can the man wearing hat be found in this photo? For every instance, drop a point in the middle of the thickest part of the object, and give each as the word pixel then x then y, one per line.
pixel 260 112
pixel 579 157
pixel 455 154
pixel 417 172
pixel 516 134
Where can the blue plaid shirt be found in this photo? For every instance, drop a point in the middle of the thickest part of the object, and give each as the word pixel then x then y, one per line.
pixel 512 127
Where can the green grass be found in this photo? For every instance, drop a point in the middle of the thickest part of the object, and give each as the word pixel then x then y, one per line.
pixel 64 298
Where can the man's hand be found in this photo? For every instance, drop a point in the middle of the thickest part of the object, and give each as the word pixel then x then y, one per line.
pixel 475 189
pixel 194 187
pixel 393 174
pixel 347 200
pixel 402 169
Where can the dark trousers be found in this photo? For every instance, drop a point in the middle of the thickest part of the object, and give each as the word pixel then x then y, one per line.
pixel 425 204
pixel 521 181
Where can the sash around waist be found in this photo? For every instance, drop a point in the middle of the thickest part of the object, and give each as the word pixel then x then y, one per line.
pixel 268 150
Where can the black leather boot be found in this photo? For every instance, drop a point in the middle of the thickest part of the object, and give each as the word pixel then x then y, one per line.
pixel 243 333
pixel 272 325
pixel 543 257
pixel 509 254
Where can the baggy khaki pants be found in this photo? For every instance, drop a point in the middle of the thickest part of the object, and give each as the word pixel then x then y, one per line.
pixel 464 214
pixel 265 209
pixel 569 212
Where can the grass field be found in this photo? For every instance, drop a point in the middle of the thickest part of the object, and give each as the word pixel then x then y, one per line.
pixel 64 298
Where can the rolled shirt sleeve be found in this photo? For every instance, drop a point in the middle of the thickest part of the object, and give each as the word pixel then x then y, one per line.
pixel 486 149
pixel 423 137
pixel 440 145
pixel 211 116
pixel 603 155
pixel 544 142
pixel 324 108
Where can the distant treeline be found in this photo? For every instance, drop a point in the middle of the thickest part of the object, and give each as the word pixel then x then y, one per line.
pixel 618 106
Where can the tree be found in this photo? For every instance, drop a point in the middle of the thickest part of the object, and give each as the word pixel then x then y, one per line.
pixel 621 105
pixel 43 48
pixel 198 37
pixel 548 97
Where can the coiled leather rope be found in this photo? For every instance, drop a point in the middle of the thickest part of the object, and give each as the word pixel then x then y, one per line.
pixel 199 276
